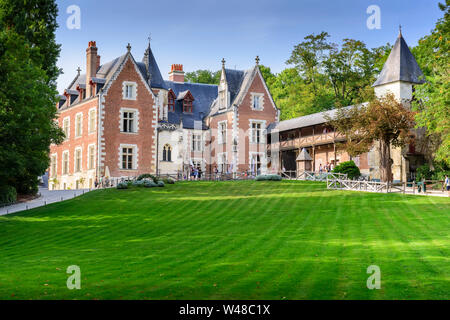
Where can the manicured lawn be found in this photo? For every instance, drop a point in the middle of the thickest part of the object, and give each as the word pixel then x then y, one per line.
pixel 229 240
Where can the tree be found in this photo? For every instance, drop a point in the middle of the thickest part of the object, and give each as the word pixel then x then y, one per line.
pixel 35 20
pixel 384 120
pixel 27 92
pixel 432 99
pixel 203 76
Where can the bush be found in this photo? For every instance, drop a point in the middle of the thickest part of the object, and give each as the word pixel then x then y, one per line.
pixel 122 185
pixel 168 181
pixel 8 195
pixel 424 172
pixel 149 184
pixel 148 176
pixel 268 177
pixel 139 183
pixel 161 184
pixel 349 168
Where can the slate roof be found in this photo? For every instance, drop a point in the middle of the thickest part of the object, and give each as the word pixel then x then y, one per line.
pixel 155 74
pixel 234 80
pixel 204 95
pixel 400 66
pixel 305 121
pixel 304 156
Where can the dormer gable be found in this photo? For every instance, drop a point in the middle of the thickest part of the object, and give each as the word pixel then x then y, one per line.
pixel 187 101
pixel 171 98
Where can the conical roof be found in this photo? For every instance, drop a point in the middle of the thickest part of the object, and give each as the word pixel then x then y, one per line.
pixel 156 80
pixel 304 156
pixel 400 66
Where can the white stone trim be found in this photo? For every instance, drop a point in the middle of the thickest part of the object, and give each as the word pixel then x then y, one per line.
pixel 135 156
pixel 136 120
pixel 220 139
pixel 76 125
pixel 92 130
pixel 261 101
pixel 68 131
pixel 134 91
pixel 68 163
pixel 268 93
pixel 263 130
pixel 263 159
pixel 53 174
pixel 75 159
pixel 89 156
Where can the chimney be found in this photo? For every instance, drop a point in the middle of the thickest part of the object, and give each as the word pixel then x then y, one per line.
pixel 91 66
pixel 176 73
pixel 98 63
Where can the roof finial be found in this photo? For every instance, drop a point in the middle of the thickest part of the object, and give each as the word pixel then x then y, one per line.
pixel 129 47
pixel 223 62
pixel 257 60
pixel 400 31
pixel 149 39
pixel 79 70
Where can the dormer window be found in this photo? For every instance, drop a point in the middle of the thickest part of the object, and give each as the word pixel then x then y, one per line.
pixel 187 106
pixel 171 101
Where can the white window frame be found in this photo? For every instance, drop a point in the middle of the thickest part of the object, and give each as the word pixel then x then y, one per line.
pixel 222 138
pixel 171 153
pixel 126 93
pixel 135 120
pixel 91 147
pixel 220 164
pixel 68 127
pixel 92 118
pixel 53 163
pixel 262 137
pixel 80 116
pixel 80 169
pixel 196 144
pixel 262 159
pixel 63 171
pixel 260 97
pixel 134 154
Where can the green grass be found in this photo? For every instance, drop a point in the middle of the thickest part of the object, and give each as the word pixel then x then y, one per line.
pixel 229 240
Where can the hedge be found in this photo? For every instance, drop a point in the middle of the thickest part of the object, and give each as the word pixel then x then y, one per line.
pixel 268 177
pixel 349 168
pixel 8 195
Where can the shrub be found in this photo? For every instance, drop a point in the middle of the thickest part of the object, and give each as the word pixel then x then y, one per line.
pixel 349 168
pixel 8 195
pixel 150 184
pixel 138 183
pixel 168 181
pixel 148 176
pixel 161 184
pixel 268 177
pixel 122 185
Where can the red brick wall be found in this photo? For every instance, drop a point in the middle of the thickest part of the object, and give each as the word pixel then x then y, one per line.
pixel 144 138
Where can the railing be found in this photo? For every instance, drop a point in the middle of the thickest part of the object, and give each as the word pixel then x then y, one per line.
pixel 307 141
pixel 368 186
pixel 320 176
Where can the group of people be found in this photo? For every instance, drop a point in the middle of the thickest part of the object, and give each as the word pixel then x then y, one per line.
pixel 326 168
pixel 195 173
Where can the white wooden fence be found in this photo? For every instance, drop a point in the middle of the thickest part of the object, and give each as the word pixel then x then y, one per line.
pixel 368 186
pixel 320 176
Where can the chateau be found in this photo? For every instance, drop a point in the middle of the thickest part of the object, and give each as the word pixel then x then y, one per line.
pixel 123 119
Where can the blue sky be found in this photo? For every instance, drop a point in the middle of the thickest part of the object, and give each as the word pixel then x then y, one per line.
pixel 198 33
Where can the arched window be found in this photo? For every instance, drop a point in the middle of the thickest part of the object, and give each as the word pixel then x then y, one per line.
pixel 167 153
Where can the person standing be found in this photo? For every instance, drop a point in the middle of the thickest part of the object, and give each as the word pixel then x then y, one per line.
pixel 447 183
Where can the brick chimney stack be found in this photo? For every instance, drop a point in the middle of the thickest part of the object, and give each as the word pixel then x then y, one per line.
pixel 92 61
pixel 176 73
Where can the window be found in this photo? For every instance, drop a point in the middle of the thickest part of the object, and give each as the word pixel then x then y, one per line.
pixel 256 132
pixel 66 127
pixel 129 90
pixel 197 142
pixel 127 158
pixel 53 162
pixel 171 101
pixel 222 100
pixel 78 125
pixel 222 132
pixel 222 161
pixel 91 128
pixel 78 160
pixel 257 101
pixel 65 165
pixel 255 165
pixel 128 122
pixel 187 105
pixel 167 153
pixel 91 157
